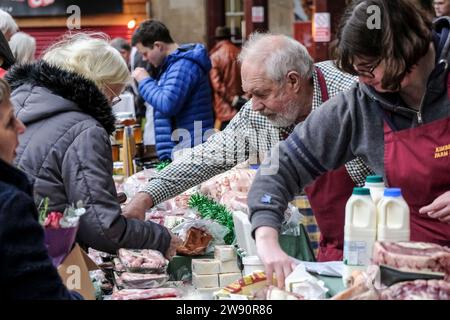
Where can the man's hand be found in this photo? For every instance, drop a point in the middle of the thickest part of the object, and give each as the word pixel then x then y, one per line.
pixel 175 242
pixel 439 209
pixel 138 206
pixel 140 74
pixel 275 260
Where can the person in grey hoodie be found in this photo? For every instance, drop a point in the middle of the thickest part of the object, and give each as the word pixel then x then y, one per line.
pixel 65 101
pixel 396 119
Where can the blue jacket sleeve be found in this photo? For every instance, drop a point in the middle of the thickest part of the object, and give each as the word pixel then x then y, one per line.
pixel 169 95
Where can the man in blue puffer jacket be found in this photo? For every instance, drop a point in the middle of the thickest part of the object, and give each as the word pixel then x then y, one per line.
pixel 180 94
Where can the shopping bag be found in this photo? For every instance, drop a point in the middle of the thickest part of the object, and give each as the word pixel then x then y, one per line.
pixel 298 246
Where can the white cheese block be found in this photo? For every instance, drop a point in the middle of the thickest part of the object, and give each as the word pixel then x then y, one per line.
pixel 224 253
pixel 229 266
pixel 205 280
pixel 205 266
pixel 227 278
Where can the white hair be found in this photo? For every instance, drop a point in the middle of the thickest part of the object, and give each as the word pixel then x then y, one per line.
pixel 7 23
pixel 23 47
pixel 91 56
pixel 279 54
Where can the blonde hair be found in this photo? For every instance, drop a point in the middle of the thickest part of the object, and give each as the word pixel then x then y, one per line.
pixel 91 56
pixel 23 47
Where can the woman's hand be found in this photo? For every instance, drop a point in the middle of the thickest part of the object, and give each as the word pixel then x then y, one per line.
pixel 439 209
pixel 276 261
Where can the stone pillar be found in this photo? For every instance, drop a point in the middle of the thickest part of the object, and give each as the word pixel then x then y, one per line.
pixel 186 19
pixel 281 16
pixel 251 26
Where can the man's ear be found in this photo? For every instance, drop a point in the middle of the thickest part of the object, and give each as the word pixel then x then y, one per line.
pixel 294 80
pixel 158 44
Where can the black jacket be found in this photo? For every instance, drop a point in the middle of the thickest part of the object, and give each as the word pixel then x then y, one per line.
pixel 26 271
pixel 67 153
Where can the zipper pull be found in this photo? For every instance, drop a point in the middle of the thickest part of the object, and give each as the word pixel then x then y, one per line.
pixel 419 117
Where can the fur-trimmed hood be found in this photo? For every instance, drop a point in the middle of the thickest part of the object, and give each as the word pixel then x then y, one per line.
pixel 77 93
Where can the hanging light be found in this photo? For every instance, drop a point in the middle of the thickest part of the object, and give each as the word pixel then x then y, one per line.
pixel 131 24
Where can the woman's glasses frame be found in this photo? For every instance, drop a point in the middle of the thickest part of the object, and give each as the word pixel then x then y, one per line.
pixel 116 99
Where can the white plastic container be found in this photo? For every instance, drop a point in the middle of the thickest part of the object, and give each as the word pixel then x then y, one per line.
pixel 243 231
pixel 360 232
pixel 393 217
pixel 252 264
pixel 376 186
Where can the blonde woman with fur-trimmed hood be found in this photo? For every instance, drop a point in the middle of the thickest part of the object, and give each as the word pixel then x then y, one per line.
pixel 65 101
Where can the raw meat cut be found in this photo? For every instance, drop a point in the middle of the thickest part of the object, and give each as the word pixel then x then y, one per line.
pixel 418 290
pixel 145 261
pixel 140 281
pixel 237 179
pixel 136 294
pixel 413 256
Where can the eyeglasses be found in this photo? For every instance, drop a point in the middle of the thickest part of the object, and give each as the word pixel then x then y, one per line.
pixel 367 71
pixel 116 98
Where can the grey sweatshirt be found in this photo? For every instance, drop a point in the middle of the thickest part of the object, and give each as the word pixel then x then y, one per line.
pixel 349 125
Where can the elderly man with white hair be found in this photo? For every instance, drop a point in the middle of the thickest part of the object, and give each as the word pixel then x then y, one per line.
pixel 286 86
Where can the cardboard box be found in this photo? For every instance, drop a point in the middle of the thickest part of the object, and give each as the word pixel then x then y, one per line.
pixel 74 272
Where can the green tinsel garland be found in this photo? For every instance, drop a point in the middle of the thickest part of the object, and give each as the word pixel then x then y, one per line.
pixel 162 165
pixel 209 209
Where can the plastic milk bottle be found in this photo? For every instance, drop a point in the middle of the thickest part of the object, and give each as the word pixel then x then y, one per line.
pixel 393 217
pixel 359 232
pixel 376 186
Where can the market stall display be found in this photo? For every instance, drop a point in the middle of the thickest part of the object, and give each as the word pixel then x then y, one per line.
pixel 208 267
pixel 402 271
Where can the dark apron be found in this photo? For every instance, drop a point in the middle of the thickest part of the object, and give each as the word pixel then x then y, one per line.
pixel 416 161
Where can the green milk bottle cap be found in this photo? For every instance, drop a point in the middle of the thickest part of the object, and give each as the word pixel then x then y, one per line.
pixel 361 192
pixel 374 179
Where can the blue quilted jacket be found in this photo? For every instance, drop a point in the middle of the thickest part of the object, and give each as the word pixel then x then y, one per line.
pixel 181 98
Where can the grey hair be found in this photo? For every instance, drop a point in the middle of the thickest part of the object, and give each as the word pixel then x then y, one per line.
pixel 7 23
pixel 279 54
pixel 120 44
pixel 23 46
